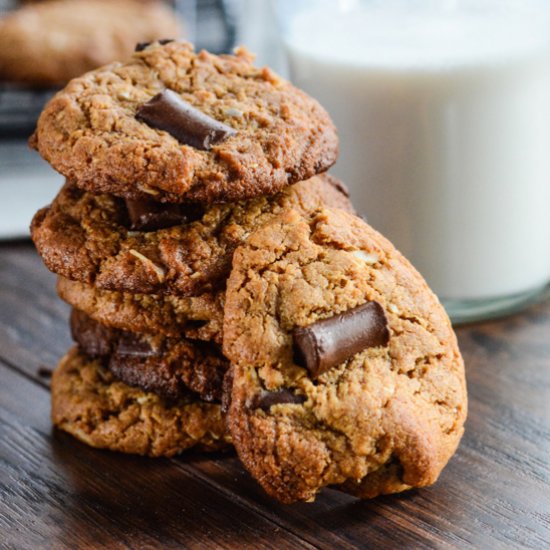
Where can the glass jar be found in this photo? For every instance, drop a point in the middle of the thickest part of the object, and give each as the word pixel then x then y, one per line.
pixel 443 112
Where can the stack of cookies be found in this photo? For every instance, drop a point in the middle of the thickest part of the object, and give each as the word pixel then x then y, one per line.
pixel 225 293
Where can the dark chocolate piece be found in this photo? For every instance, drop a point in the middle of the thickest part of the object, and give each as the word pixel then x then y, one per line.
pixel 135 345
pixel 147 215
pixel 327 343
pixel 162 366
pixel 94 339
pixel 97 340
pixel 266 399
pixel 169 112
pixel 175 372
pixel 140 46
pixel 155 377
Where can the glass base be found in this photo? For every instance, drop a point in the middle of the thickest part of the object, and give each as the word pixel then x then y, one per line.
pixel 468 311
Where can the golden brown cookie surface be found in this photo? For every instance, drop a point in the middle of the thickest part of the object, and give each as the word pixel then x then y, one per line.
pixel 91 405
pixel 385 419
pixel 90 132
pixel 196 317
pixel 89 238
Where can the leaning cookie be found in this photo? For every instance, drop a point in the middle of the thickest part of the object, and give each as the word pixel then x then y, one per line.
pixel 195 317
pixel 174 125
pixel 169 367
pixel 51 42
pixel 345 369
pixel 91 405
pixel 148 247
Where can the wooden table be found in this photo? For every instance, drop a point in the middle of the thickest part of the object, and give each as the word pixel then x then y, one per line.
pixel 58 493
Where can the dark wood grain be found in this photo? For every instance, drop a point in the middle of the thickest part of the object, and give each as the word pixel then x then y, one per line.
pixel 33 320
pixel 495 493
pixel 54 489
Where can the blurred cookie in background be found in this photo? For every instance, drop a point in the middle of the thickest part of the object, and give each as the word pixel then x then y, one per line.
pixel 48 43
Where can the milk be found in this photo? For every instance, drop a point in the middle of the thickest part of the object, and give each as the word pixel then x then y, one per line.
pixel 444 121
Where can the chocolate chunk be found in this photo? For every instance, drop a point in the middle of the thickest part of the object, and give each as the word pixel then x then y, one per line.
pixel 267 399
pixel 327 343
pixel 94 339
pixel 175 370
pixel 135 345
pixel 140 46
pixel 147 215
pixel 97 340
pixel 167 367
pixel 169 112
pixel 157 377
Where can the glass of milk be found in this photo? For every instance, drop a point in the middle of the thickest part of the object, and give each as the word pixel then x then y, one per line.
pixel 443 111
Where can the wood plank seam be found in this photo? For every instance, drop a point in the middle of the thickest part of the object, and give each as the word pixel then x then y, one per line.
pixel 12 422
pixel 24 374
pixel 250 504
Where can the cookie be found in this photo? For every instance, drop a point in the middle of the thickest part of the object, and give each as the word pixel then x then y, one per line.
pixel 51 42
pixel 197 317
pixel 91 405
pixel 168 367
pixel 94 238
pixel 346 371
pixel 241 131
